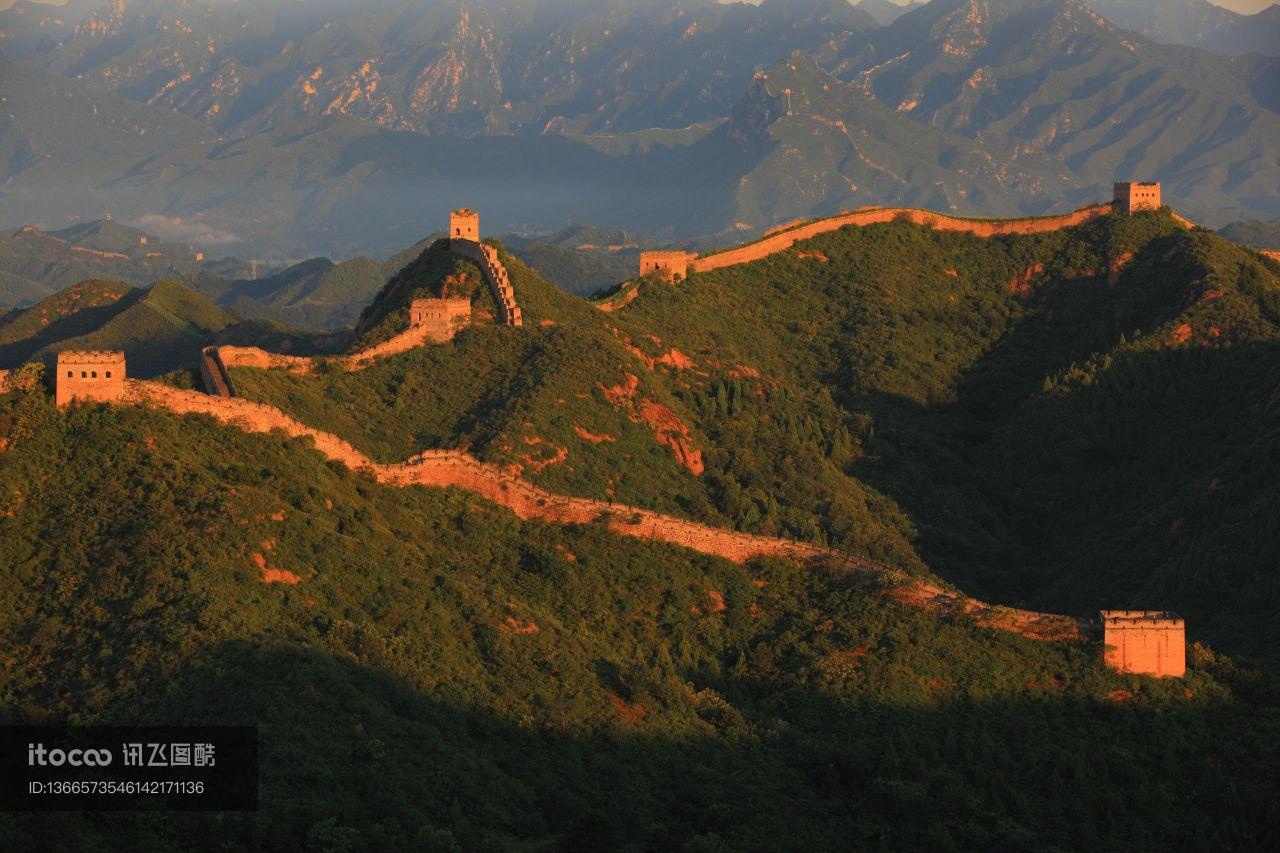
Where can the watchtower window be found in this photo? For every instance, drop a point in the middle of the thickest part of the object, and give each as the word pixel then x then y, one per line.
pixel 71 374
pixel 93 374
pixel 84 375
pixel 108 374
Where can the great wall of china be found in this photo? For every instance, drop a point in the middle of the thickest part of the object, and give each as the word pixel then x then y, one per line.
pixel 1135 641
pixel 457 469
pixel 1127 198
pixel 464 240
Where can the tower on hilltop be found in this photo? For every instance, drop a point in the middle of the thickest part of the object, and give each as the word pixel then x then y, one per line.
pixel 672 266
pixel 1131 196
pixel 464 224
pixel 1150 642
pixel 92 375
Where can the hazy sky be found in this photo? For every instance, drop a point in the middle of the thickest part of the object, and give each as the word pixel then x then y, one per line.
pixel 1246 6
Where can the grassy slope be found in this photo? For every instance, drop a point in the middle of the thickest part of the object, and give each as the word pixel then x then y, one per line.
pixel 396 711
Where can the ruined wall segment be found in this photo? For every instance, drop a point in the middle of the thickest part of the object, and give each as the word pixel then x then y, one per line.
pixel 1149 642
pixel 95 376
pixel 1129 197
pixel 672 266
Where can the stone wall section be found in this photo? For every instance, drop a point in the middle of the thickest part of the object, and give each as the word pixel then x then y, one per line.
pixel 448 468
pixel 217 381
pixel 231 356
pixel 495 275
pixel 782 240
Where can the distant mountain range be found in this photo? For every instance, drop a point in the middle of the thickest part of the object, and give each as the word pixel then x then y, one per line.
pixel 163 327
pixel 1197 23
pixel 316 293
pixel 328 128
pixel 34 263
pixel 1260 235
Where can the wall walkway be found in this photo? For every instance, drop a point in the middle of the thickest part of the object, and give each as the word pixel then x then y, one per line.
pixel 778 241
pixel 495 275
pixel 445 468
pixel 216 361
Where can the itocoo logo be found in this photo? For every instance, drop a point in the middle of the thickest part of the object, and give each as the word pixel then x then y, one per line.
pixel 37 755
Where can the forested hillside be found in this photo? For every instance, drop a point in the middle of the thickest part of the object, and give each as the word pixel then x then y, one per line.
pixel 1059 419
pixel 427 672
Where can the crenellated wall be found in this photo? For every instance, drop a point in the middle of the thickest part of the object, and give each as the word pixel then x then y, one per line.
pixel 778 241
pixel 217 381
pixel 447 468
pixel 495 275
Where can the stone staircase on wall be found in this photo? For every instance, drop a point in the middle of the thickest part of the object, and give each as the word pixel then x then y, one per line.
pixel 495 275
pixel 217 381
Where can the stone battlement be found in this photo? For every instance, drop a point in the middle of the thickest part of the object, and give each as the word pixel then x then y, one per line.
pixel 91 356
pixel 1149 642
pixel 782 240
pixel 95 376
pixel 1134 196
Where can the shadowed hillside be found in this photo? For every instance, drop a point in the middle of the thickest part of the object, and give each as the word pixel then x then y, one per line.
pixel 428 672
pixel 836 394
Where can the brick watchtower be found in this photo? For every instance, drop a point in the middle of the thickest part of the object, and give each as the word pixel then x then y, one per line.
pixel 93 375
pixel 464 224
pixel 1150 642
pixel 442 318
pixel 672 266
pixel 1131 196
